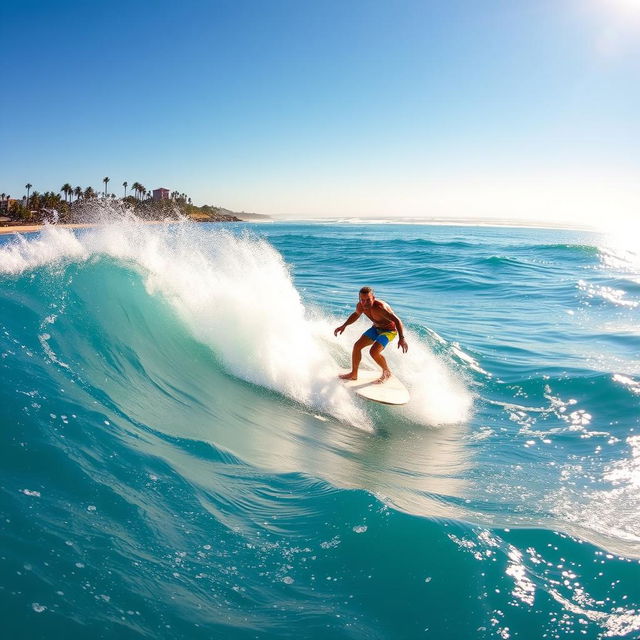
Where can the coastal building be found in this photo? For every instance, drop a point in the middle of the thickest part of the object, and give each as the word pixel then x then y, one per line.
pixel 161 194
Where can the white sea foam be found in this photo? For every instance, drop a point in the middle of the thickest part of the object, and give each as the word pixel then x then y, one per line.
pixel 52 245
pixel 235 294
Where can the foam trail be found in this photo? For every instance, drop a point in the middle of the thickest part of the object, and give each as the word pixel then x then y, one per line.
pixel 438 396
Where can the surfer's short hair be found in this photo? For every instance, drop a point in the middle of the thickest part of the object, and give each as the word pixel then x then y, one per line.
pixel 366 290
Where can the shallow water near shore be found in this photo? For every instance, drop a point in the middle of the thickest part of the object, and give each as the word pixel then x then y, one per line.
pixel 178 459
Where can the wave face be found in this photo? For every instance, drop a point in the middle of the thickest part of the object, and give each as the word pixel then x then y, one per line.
pixel 179 461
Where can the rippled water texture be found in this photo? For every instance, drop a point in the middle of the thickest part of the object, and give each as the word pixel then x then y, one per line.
pixel 178 459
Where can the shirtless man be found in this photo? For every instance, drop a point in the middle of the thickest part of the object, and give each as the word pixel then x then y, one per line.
pixel 386 325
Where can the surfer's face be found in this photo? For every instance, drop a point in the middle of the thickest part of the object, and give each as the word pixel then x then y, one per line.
pixel 366 300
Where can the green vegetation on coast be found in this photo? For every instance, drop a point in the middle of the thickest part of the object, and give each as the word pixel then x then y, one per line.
pixel 75 205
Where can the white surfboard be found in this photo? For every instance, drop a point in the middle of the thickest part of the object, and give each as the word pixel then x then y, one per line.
pixel 391 391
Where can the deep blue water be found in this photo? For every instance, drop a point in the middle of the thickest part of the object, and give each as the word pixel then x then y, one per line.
pixel 177 459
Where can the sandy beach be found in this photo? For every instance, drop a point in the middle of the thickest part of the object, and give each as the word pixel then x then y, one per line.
pixel 29 228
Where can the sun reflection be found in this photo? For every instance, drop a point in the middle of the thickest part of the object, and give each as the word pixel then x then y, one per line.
pixel 619 249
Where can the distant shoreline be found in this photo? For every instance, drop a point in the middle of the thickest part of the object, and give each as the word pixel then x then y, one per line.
pixel 445 222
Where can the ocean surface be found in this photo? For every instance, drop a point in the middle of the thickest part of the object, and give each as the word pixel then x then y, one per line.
pixel 178 459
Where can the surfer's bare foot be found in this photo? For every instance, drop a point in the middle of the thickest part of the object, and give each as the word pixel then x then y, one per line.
pixel 348 376
pixel 384 377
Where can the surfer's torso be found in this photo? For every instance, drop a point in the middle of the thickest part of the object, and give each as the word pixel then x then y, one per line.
pixel 378 313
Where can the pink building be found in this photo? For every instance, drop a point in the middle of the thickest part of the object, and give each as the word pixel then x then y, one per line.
pixel 161 194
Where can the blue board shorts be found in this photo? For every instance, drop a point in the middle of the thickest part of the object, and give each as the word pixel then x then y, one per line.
pixel 378 335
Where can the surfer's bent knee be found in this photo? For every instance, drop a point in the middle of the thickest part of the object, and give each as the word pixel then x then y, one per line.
pixel 376 347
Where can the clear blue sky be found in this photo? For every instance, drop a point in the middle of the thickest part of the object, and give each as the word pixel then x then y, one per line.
pixel 506 108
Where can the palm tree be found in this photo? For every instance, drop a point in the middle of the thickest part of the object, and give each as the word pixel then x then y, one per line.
pixel 78 192
pixel 67 189
pixel 51 200
pixel 136 186
pixel 27 187
pixel 89 193
pixel 125 184
pixel 36 200
pixel 105 180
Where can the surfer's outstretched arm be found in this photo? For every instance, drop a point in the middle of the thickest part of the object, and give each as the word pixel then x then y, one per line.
pixel 350 320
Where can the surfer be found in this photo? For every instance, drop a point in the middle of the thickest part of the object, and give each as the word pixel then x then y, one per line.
pixel 386 326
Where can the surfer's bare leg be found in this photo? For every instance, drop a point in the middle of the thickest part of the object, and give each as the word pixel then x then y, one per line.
pixel 356 357
pixel 376 354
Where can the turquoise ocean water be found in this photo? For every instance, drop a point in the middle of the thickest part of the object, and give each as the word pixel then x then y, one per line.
pixel 177 459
